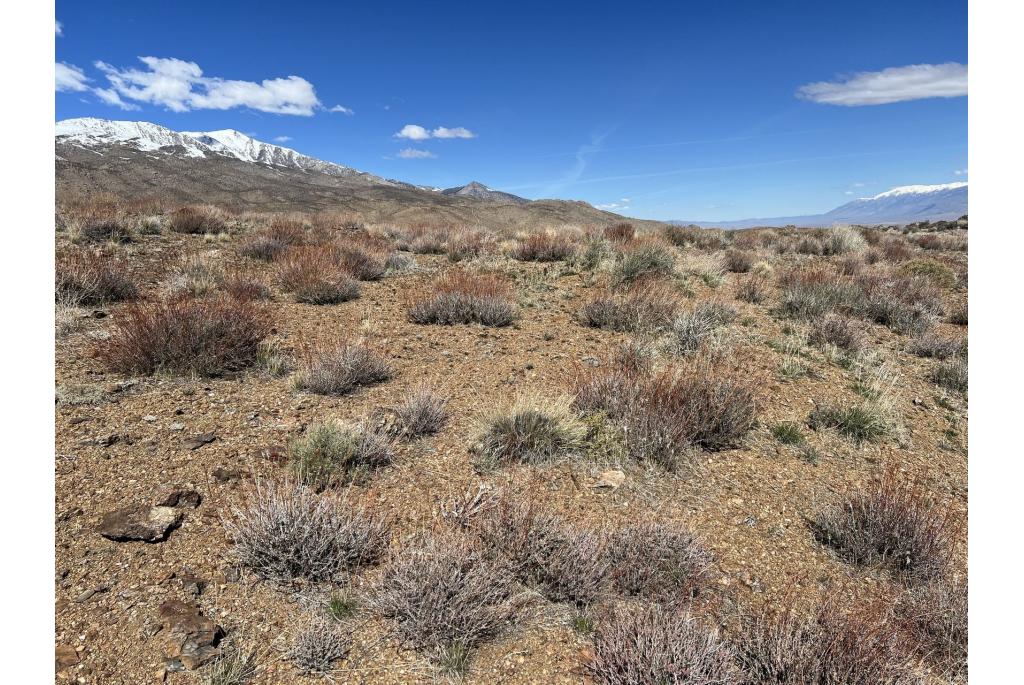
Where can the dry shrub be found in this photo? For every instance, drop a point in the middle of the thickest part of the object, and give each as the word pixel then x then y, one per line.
pixel 809 245
pixel 313 276
pixel 643 258
pixel 843 240
pixel 936 614
pixel 903 303
pixel 891 524
pixel 664 416
pixel 931 241
pixel 97 218
pixel 709 239
pixel 951 374
pixel 658 562
pixel 422 411
pixel 341 368
pixel 892 249
pixel 645 306
pixel 262 247
pixel 464 244
pixel 655 646
pixel 364 260
pixel 864 422
pixel 461 297
pixel 197 219
pixel 695 328
pixel 446 596
pixel 333 453
pixel 283 531
pixel 853 643
pixel 936 272
pixel 90 278
pixel 619 233
pixel 290 232
pixel 208 336
pixel 928 343
pixel 958 317
pixel 837 330
pixel 529 430
pixel 244 286
pixel 738 261
pixel 562 562
pixel 318 644
pixel 753 289
pixel 547 246
pixel 809 292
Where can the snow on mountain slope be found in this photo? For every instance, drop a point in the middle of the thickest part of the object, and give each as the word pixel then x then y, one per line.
pixel 918 190
pixel 92 133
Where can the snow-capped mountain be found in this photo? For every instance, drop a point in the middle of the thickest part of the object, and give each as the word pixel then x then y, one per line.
pixel 902 205
pixel 98 133
pixel 482 192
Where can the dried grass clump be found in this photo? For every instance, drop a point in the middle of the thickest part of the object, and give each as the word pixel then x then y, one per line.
pixel 839 331
pixel 197 219
pixel 208 336
pixel 564 563
pixel 904 304
pixel 951 374
pixel 753 289
pixel 645 306
pixel 262 247
pixel 422 411
pixel 313 276
pixel 90 278
pixel 809 292
pixel 529 430
pixel 738 261
pixel 958 317
pixel 643 258
pixel 619 233
pixel 446 597
pixel 461 297
pixel 97 218
pixel 665 416
pixel 364 262
pixel 891 524
pixel 658 562
pixel 694 329
pixel 936 614
pixel 463 245
pixel 708 239
pixel 283 531
pixel 928 343
pixel 934 271
pixel 341 368
pixel 333 453
pixel 318 644
pixel 843 240
pixel 547 246
pixel 655 646
pixel 851 643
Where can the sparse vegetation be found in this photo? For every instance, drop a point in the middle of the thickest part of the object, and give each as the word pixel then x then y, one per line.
pixel 313 276
pixel 529 430
pixel 318 644
pixel 197 220
pixel 423 411
pixel 658 562
pixel 951 374
pixel 788 433
pixel 642 307
pixel 341 368
pixel 892 524
pixel 864 422
pixel 90 278
pixel 545 246
pixel 643 259
pixel 335 453
pixel 461 298
pixel 283 531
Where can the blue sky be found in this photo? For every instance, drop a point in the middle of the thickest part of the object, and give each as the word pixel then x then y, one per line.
pixel 698 110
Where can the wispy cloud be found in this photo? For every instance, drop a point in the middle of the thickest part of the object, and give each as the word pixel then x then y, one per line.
pixel 110 97
pixel 573 174
pixel 70 78
pixel 416 132
pixel 58 28
pixel 181 86
pixel 960 172
pixel 282 139
pixel 619 205
pixel 413 153
pixel 896 84
pixel 341 108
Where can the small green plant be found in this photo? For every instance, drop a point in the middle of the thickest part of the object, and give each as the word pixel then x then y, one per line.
pixel 334 453
pixel 865 422
pixel 810 454
pixel 236 667
pixel 788 433
pixel 951 375
pixel 270 358
pixel 342 606
pixel 582 624
pixel 454 659
pixel 792 368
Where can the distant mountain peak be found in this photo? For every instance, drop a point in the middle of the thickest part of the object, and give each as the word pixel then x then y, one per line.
pixel 918 190
pixel 481 192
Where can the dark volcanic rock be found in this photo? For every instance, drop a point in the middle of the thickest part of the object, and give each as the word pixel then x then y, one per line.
pixel 191 639
pixel 148 524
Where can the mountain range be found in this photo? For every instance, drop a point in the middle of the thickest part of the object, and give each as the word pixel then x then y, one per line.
pixel 902 205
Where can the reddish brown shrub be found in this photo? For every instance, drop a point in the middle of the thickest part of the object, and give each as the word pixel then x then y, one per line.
pixel 619 233
pixel 544 247
pixel 90 278
pixel 658 562
pixel 892 524
pixel 207 336
pixel 645 306
pixel 365 262
pixel 738 261
pixel 313 276
pixel 197 219
pixel 339 369
pixel 936 614
pixel 461 297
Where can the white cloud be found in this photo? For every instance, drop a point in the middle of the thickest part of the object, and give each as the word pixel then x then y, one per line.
pixel 620 204
pixel 413 153
pixel 960 172
pixel 70 77
pixel 110 96
pixel 180 86
pixel 282 139
pixel 896 84
pixel 415 132
pixel 59 28
pixel 457 132
pixel 341 108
